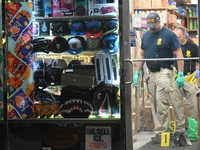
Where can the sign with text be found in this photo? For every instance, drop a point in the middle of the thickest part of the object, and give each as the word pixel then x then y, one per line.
pixel 98 138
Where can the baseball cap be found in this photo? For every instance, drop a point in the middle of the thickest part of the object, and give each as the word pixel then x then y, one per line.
pixel 76 45
pixel 94 29
pixel 110 44
pixel 59 44
pixel 152 19
pixel 73 62
pixel 39 68
pixel 60 28
pixel 39 65
pixel 109 26
pixel 41 45
pixel 53 76
pixel 78 28
pixel 58 63
pixel 94 43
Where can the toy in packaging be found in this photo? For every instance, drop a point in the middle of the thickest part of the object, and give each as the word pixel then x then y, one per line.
pixel 62 8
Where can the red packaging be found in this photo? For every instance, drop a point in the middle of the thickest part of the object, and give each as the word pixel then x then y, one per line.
pixel 15 66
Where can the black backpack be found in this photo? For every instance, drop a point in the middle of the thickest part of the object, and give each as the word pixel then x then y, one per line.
pixel 75 102
pixel 105 100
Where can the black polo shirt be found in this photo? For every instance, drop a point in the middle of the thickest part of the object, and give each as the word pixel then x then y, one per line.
pixel 159 45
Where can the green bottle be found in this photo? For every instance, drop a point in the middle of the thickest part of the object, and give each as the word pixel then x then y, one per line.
pixel 195 24
pixel 189 11
pixel 191 24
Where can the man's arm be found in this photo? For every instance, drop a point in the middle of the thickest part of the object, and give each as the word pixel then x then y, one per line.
pixel 140 63
pixel 180 63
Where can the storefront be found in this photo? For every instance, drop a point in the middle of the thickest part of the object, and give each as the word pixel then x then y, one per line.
pixel 67 73
pixel 63 80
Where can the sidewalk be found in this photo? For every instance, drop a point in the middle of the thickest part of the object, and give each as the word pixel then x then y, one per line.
pixel 142 141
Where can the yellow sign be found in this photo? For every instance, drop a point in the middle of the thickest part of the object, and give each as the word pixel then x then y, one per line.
pixel 165 139
pixel 173 126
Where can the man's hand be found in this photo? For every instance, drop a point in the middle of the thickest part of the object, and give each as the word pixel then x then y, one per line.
pixel 180 80
pixel 136 77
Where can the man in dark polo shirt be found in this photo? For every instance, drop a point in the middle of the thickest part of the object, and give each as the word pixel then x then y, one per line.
pixel 189 49
pixel 160 42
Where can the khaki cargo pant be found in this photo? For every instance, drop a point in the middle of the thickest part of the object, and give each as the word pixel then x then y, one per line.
pixel 161 86
pixel 188 92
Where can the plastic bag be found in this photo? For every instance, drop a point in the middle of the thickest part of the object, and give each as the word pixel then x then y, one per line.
pixel 192 129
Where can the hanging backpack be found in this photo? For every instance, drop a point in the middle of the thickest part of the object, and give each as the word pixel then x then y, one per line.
pixel 75 102
pixel 105 101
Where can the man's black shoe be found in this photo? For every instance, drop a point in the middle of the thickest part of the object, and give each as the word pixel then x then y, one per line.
pixel 180 139
pixel 156 139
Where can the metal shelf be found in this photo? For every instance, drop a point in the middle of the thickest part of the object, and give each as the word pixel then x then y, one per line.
pixel 1 121
pixel 52 19
pixel 64 120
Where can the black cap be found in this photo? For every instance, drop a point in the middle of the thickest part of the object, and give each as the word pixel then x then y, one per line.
pixel 152 19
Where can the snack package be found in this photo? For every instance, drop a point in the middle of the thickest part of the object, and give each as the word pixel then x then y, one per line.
pixel 21 105
pixel 15 66
pixel 18 24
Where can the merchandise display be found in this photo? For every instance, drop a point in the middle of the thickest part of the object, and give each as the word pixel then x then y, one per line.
pixel 94 29
pixel 73 37
pixel 60 28
pixel 57 86
pixel 76 45
pixel 78 28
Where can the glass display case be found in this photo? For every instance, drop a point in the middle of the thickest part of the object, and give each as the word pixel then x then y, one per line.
pixel 65 69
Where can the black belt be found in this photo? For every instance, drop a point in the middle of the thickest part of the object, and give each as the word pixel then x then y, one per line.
pixel 155 69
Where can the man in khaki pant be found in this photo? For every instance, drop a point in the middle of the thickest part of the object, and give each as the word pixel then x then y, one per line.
pixel 189 90
pixel 160 42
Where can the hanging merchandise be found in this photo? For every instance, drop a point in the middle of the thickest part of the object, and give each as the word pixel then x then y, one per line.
pixel 94 29
pixel 94 44
pixel 76 45
pixel 75 103
pixel 105 101
pixel 106 68
pixel 78 28
pixel 54 71
pixel 109 26
pixel 60 28
pixel 41 45
pixel 110 44
pixel 59 44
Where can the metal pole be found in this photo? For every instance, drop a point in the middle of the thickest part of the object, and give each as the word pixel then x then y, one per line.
pixel 198 27
pixel 162 59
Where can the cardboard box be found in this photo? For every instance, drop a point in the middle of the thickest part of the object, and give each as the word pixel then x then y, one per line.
pixel 159 3
pixel 138 4
pixel 156 3
pixel 172 18
pixel 148 118
pixel 76 79
pixel 134 123
pixel 146 3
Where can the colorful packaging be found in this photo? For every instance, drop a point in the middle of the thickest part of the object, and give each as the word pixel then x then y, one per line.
pixel 21 105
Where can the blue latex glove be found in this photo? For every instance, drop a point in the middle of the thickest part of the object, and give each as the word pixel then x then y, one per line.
pixel 180 80
pixel 197 75
pixel 136 77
